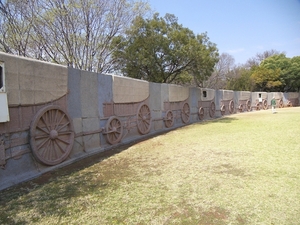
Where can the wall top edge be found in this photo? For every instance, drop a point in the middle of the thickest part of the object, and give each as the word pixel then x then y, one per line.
pixel 30 59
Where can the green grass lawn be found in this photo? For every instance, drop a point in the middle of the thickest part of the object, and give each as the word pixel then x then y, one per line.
pixel 241 169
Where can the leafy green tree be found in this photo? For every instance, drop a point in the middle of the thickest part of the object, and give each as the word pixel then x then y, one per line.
pixel 294 75
pixel 239 79
pixel 163 51
pixel 288 69
pixel 266 79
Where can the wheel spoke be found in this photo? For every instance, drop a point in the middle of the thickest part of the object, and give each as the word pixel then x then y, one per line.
pixel 50 152
pixel 41 136
pixel 51 119
pixel 43 120
pixel 54 149
pixel 58 145
pixel 47 119
pixel 45 151
pixel 62 140
pixel 42 129
pixel 63 126
pixel 55 118
pixel 115 135
pixel 147 122
pixel 43 143
pixel 141 116
pixel 62 117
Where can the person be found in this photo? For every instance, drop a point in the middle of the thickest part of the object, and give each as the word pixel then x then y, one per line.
pixel 273 104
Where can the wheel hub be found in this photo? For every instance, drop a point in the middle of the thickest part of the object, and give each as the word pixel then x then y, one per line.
pixel 53 134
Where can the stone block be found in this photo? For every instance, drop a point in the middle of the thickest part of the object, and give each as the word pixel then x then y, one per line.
pixel 194 98
pixel 73 100
pixel 158 125
pixel 155 97
pixel 105 93
pixel 92 141
pixel 27 114
pixel 89 94
pixel 14 124
pixel 77 124
pixel 13 97
pixel 27 97
pixel 78 147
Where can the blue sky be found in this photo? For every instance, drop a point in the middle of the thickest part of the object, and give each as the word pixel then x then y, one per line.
pixel 240 28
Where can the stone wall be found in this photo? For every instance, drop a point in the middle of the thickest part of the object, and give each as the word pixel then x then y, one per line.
pixel 105 111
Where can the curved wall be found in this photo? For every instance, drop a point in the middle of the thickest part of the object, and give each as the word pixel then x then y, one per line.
pixel 105 111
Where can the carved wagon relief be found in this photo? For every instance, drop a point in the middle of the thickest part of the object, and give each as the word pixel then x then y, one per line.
pixel 36 98
pixel 206 104
pixel 227 102
pixel 259 100
pixel 129 109
pixel 244 101
pixel 292 99
pixel 177 105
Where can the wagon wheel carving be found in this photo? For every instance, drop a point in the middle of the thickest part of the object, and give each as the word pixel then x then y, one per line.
pixel 257 106
pixel 248 105
pixel 144 119
pixel 51 135
pixel 289 104
pixel 113 130
pixel 265 104
pixel 185 115
pixel 280 103
pixel 212 109
pixel 201 113
pixel 231 107
pixel 169 119
pixel 223 110
pixel 241 107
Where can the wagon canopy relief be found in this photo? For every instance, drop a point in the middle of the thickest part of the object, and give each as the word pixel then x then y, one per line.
pixel 32 82
pixel 129 108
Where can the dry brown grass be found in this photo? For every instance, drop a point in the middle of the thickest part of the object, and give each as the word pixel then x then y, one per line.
pixel 242 169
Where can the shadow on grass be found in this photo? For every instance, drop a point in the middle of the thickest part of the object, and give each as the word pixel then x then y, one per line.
pixel 64 184
pixel 24 188
pixel 223 120
pixel 50 194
